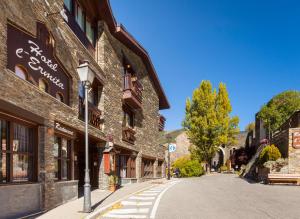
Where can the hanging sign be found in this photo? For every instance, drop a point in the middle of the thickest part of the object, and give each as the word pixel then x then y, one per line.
pixel 296 140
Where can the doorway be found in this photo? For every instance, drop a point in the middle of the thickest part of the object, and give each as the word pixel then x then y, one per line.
pixel 79 154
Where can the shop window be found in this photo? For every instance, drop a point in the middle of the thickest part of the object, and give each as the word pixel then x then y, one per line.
pixel 61 152
pixel 128 117
pixel 60 97
pixel 21 72
pixel 43 85
pixel 17 152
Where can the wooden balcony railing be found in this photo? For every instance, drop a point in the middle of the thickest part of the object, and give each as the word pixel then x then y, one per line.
pixel 132 92
pixel 128 135
pixel 161 123
pixel 94 114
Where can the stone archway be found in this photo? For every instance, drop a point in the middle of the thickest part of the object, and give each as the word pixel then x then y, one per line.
pixel 219 159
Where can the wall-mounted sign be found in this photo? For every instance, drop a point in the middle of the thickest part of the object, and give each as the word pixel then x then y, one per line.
pixel 296 140
pixel 35 54
pixel 59 127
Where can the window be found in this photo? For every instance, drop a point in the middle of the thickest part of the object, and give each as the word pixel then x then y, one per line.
pixel 21 72
pixel 60 97
pixel 68 4
pixel 128 118
pixel 61 152
pixel 43 85
pixel 90 32
pixel 79 16
pixel 93 93
pixel 17 154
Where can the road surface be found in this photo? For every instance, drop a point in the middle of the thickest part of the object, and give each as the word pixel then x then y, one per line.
pixel 211 196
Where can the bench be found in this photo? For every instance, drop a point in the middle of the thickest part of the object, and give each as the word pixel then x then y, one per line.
pixel 283 178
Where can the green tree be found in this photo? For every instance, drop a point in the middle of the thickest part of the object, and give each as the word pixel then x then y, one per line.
pixel 250 127
pixel 208 122
pixel 279 109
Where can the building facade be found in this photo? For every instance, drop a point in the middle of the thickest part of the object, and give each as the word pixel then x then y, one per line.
pixel 41 103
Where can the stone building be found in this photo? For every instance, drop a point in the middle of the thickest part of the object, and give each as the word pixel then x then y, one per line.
pixel 42 163
pixel 287 139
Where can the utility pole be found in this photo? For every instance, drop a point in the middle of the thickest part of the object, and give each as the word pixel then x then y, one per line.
pixel 169 171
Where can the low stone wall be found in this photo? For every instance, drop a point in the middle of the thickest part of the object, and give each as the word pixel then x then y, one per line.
pixel 20 200
pixel 65 191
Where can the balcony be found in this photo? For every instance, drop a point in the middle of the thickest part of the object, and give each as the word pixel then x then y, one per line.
pixel 128 135
pixel 132 92
pixel 94 114
pixel 161 123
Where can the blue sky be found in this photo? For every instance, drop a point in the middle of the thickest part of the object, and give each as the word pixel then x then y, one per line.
pixel 252 46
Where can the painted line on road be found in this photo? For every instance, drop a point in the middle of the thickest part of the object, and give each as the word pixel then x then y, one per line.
pixel 98 212
pixel 132 203
pixel 155 206
pixel 141 198
pixel 129 211
pixel 133 216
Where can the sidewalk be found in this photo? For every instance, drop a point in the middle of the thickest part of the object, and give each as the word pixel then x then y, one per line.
pixel 100 198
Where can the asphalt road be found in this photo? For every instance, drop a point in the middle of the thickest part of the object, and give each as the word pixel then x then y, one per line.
pixel 227 196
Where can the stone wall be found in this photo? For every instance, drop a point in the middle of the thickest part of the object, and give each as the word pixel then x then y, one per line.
pixel 110 55
pixel 23 199
pixel 294 154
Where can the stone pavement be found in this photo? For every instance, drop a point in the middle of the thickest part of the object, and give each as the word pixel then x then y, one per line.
pixel 100 198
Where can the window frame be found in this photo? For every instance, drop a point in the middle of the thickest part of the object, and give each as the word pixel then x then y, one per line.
pixel 60 158
pixel 128 111
pixel 32 173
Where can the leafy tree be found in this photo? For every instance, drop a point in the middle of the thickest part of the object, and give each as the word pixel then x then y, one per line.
pixel 250 127
pixel 208 122
pixel 279 109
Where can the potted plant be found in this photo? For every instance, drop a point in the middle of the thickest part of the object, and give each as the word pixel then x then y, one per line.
pixel 113 182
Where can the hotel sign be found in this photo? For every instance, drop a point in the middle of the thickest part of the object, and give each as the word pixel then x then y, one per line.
pixel 36 55
pixel 296 140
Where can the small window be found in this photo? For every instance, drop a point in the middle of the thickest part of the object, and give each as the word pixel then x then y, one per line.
pixel 60 97
pixel 43 85
pixel 21 72
pixel 79 16
pixel 90 32
pixel 68 4
pixel 128 118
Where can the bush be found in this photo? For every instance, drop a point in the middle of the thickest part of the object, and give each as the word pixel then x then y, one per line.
pixel 188 167
pixel 269 153
pixel 223 168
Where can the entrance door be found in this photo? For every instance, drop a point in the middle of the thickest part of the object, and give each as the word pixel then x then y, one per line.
pixel 93 162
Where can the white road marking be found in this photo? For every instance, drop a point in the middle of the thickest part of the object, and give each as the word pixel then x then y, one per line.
pixel 155 206
pixel 142 194
pixel 133 216
pixel 129 211
pixel 132 203
pixel 141 198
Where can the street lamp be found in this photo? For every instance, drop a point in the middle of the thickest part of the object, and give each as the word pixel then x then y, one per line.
pixel 86 76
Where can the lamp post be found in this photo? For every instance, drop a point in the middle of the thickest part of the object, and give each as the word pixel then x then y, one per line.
pixel 169 138
pixel 86 76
